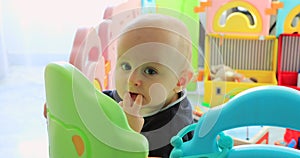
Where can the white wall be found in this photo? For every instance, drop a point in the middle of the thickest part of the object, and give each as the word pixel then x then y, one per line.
pixel 47 26
pixel 3 55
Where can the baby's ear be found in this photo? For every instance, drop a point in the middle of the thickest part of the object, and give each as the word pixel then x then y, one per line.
pixel 185 78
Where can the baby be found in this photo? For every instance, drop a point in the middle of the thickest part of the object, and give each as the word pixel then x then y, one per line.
pixel 152 71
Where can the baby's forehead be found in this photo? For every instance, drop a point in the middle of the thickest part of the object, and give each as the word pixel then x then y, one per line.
pixel 156 37
pixel 149 32
pixel 140 36
pixel 157 22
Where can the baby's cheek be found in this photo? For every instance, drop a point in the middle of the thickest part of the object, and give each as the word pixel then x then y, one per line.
pixel 157 93
pixel 121 85
pixel 155 100
pixel 121 77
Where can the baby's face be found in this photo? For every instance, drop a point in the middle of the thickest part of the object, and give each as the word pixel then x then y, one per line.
pixel 150 61
pixel 153 81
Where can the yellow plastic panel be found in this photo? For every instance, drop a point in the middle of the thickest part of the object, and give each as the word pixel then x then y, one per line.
pixel 288 28
pixel 238 22
pixel 219 92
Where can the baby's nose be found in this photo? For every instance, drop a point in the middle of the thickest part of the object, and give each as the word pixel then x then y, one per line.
pixel 135 78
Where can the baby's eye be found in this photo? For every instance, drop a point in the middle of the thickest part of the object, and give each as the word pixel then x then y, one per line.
pixel 125 66
pixel 150 71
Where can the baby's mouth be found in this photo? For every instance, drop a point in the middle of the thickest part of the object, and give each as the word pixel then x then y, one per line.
pixel 133 95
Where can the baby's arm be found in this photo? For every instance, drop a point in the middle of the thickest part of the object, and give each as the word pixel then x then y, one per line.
pixel 132 109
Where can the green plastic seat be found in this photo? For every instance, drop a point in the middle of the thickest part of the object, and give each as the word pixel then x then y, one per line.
pixel 83 122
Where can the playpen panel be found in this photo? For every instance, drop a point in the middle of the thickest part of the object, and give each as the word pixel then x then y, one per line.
pixel 288 17
pixel 244 53
pixel 289 53
pixel 249 55
pixel 288 60
pixel 237 22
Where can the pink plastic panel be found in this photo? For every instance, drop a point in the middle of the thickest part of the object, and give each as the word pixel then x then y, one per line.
pixel 86 55
pixel 94 50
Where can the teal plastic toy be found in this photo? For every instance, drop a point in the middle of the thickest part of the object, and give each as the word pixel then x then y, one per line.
pixel 264 105
pixel 83 122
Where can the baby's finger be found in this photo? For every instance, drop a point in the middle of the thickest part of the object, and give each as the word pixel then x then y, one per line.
pixel 138 101
pixel 127 101
pixel 121 103
pixel 138 104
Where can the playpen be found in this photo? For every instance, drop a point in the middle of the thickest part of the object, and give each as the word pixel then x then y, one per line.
pixel 242 41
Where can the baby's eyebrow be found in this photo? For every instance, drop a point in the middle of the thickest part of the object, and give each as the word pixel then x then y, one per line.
pixel 154 64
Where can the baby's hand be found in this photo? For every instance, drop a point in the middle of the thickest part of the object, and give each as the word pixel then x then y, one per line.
pixel 45 110
pixel 132 110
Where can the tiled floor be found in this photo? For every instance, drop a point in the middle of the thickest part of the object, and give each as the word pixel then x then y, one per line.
pixel 23 128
